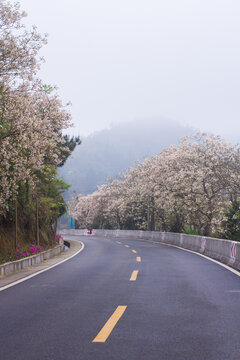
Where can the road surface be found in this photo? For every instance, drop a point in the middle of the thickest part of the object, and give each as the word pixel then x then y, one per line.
pixel 124 299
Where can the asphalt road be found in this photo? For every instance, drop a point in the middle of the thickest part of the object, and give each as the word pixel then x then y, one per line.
pixel 177 306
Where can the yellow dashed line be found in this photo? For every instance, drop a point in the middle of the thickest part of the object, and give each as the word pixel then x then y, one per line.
pixel 110 324
pixel 138 259
pixel 134 251
pixel 127 246
pixel 134 275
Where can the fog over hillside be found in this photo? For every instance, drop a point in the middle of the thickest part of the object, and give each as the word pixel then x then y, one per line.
pixel 105 154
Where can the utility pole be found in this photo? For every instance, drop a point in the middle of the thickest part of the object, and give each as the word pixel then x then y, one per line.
pixel 37 221
pixel 16 223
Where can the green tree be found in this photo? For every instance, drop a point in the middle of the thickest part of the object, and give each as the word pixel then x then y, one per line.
pixel 231 224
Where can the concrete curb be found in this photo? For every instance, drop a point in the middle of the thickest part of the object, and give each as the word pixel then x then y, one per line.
pixel 225 251
pixel 13 279
pixel 15 266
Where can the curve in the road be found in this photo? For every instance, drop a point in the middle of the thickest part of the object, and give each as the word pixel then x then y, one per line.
pixel 181 306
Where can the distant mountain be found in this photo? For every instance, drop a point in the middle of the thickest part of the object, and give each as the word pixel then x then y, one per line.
pixel 107 153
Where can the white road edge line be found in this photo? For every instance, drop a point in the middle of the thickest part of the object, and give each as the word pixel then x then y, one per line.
pixel 41 271
pixel 204 256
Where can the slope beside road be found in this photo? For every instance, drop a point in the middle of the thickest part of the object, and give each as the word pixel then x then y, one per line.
pixel 124 299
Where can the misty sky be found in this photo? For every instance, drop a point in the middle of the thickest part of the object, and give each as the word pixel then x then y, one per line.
pixel 119 60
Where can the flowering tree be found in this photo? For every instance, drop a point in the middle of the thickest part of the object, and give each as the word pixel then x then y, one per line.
pixel 31 123
pixel 201 175
pixel 186 186
pixel 19 47
pixel 32 118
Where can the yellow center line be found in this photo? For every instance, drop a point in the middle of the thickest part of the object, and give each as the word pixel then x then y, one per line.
pixel 110 324
pixel 138 259
pixel 118 242
pixel 134 251
pixel 134 275
pixel 2 277
pixel 127 246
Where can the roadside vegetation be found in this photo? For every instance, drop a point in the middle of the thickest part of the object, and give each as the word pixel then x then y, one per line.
pixel 32 145
pixel 192 188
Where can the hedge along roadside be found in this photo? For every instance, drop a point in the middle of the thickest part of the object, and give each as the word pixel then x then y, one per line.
pixel 15 266
pixel 225 251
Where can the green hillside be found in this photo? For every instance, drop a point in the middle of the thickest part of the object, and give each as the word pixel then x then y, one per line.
pixel 105 154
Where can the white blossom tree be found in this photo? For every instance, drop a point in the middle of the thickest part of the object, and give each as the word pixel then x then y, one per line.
pixel 31 115
pixel 185 186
